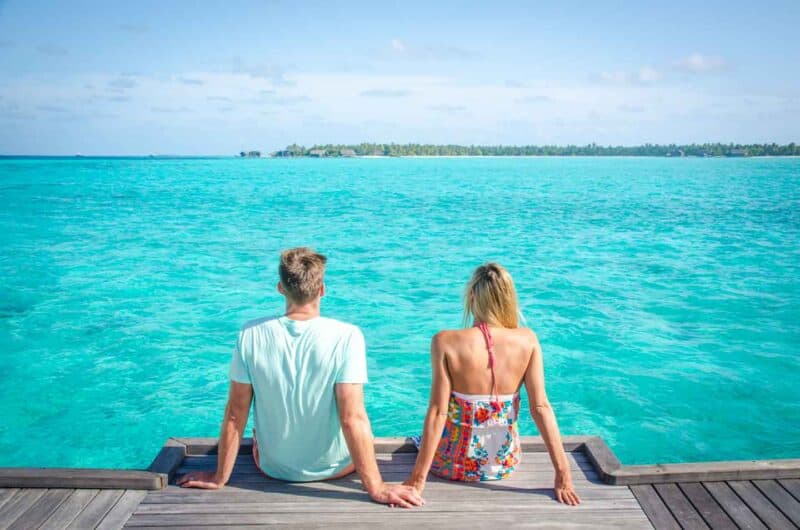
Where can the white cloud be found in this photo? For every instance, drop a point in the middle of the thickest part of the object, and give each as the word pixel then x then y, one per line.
pixel 645 75
pixel 616 76
pixel 385 93
pixel 190 81
pixel 536 98
pixel 431 52
pixel 635 109
pixel 121 83
pixel 276 74
pixel 232 105
pixel 699 63
pixel 448 108
pixel 648 74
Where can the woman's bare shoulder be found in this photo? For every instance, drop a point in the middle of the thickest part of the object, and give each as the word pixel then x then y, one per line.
pixel 451 337
pixel 452 334
pixel 528 338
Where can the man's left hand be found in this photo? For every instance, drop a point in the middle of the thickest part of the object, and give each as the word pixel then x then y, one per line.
pixel 200 479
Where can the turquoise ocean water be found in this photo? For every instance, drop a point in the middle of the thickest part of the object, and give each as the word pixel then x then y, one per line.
pixel 665 292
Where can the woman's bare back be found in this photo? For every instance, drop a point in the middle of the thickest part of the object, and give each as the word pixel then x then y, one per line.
pixel 467 358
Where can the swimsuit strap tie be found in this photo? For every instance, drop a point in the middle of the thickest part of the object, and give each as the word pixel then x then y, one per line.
pixel 487 336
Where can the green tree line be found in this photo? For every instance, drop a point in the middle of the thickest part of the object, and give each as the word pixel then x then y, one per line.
pixel 707 149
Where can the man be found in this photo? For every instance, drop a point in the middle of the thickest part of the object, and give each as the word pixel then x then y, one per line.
pixel 306 374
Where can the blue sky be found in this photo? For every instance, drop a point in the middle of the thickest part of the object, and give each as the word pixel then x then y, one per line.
pixel 214 78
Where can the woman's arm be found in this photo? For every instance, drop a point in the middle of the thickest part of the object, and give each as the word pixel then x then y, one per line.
pixel 545 420
pixel 436 416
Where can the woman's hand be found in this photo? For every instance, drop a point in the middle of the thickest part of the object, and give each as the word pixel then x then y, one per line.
pixel 417 484
pixel 565 491
pixel 397 495
pixel 200 479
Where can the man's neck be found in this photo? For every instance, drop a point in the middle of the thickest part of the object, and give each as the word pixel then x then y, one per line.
pixel 302 311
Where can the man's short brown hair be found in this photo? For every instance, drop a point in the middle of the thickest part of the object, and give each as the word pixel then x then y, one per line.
pixel 301 272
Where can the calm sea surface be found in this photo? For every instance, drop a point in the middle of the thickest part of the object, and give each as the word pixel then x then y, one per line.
pixel 665 292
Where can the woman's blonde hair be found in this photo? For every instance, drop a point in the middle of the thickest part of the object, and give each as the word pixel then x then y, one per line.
pixel 490 297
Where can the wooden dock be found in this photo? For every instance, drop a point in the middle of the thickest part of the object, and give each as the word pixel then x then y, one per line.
pixel 748 494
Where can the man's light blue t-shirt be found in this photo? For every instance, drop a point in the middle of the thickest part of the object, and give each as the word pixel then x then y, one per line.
pixel 293 366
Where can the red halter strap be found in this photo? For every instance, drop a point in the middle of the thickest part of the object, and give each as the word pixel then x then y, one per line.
pixel 487 336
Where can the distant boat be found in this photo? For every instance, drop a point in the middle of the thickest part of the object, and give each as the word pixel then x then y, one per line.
pixel 78 155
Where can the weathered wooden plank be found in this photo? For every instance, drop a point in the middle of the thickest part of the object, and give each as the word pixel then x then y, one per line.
pixel 303 493
pixel 40 510
pixel 578 470
pixel 516 480
pixel 122 510
pixel 393 518
pixel 596 451
pixel 402 472
pixel 6 494
pixel 207 446
pixel 398 467
pixel 396 457
pixel 679 505
pixel 596 498
pixel 42 477
pixel 69 509
pixel 704 503
pixel 760 505
pixel 655 509
pixel 249 474
pixel 169 458
pixel 707 472
pixel 602 458
pixel 93 513
pixel 534 481
pixel 439 524
pixel 312 505
pixel 782 499
pixel 529 461
pixel 792 486
pixel 733 506
pixel 17 505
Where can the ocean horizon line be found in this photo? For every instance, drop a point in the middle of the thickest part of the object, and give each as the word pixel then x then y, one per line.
pixel 266 157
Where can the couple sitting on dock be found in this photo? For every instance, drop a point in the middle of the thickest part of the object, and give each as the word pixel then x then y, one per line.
pixel 304 373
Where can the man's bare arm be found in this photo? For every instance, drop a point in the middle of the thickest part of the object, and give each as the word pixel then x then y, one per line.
pixel 240 396
pixel 358 433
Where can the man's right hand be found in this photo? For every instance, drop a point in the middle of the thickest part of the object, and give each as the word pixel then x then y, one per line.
pixel 200 479
pixel 398 495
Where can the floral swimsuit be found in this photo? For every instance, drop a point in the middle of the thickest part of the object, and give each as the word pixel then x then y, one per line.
pixel 480 439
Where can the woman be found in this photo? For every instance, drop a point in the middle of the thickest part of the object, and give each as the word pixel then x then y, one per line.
pixel 470 430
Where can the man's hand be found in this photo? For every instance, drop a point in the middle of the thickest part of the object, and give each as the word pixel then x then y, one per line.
pixel 398 495
pixel 200 479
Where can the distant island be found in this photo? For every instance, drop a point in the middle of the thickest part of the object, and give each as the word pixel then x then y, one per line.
pixel 668 150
